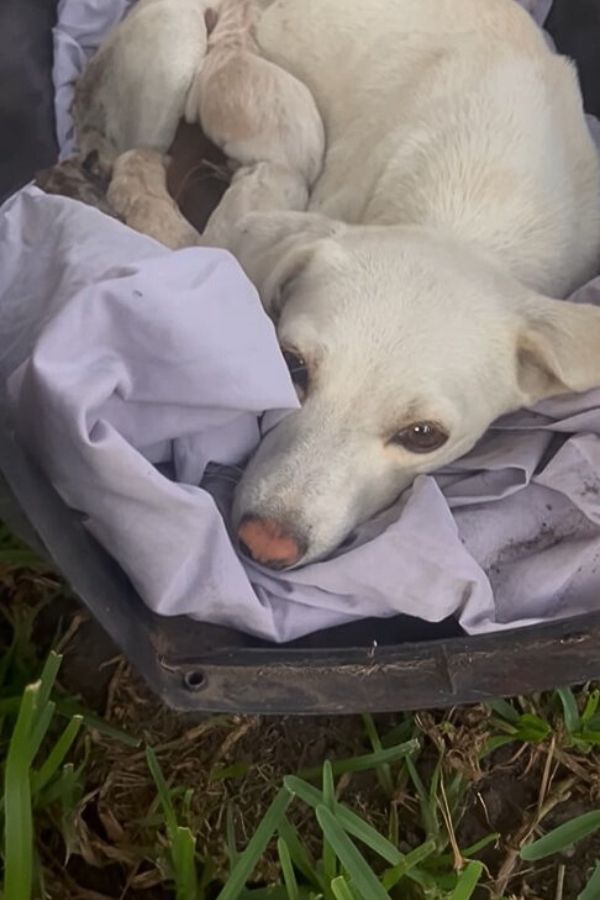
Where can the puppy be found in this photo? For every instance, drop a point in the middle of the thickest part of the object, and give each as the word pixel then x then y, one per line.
pixel 256 111
pixel 132 92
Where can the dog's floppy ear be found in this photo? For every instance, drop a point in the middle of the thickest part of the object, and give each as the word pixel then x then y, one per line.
pixel 273 248
pixel 558 348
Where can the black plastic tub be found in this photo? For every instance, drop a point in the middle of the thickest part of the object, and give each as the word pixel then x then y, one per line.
pixel 374 665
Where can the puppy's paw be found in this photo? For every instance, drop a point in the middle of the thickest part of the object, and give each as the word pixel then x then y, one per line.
pixel 136 174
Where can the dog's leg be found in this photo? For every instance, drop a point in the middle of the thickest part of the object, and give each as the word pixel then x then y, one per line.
pixel 138 193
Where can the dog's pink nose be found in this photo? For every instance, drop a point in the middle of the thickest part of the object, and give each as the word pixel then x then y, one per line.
pixel 269 543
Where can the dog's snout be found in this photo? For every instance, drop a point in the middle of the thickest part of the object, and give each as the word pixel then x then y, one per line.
pixel 270 543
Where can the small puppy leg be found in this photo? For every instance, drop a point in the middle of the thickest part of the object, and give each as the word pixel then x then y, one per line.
pixel 138 193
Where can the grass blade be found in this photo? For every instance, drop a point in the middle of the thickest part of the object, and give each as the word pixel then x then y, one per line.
pixel 434 784
pixel 586 738
pixel 364 763
pixel 18 827
pixel 69 708
pixel 368 836
pixel 505 710
pixel 21 559
pixel 591 706
pixel 48 678
pixel 56 757
pixel 183 852
pixel 467 882
pixel 428 810
pixel 349 821
pixel 495 743
pixel 341 889
pixel 592 889
pixel 69 792
pixel 364 879
pixel 301 858
pixel 329 859
pixel 186 805
pixel 564 836
pixel 237 770
pixel 533 728
pixel 256 846
pixel 230 842
pixel 164 795
pixel 476 848
pixel 384 773
pixel 328 786
pixel 399 734
pixel 472 850
pixel 287 869
pixel 570 709
pixel 392 876
pixel 278 892
pixel 39 729
pixel 309 794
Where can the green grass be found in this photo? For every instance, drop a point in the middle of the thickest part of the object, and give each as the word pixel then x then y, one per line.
pixel 422 772
pixel 38 780
pixel 42 783
pixel 356 861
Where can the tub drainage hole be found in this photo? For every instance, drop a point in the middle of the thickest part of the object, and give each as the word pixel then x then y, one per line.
pixel 194 680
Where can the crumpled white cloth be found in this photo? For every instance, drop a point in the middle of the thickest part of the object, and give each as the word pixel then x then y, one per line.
pixel 132 370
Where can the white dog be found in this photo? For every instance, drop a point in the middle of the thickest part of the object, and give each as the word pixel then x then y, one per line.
pixel 460 194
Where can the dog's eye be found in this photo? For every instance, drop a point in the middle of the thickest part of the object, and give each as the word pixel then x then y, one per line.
pixel 298 369
pixel 422 437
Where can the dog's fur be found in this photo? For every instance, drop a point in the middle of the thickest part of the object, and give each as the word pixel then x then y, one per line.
pixel 138 192
pixel 80 178
pixel 276 121
pixel 197 177
pixel 263 118
pixel 460 193
pixel 133 91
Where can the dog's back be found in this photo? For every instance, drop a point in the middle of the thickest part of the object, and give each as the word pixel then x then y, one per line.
pixel 460 118
pixel 229 38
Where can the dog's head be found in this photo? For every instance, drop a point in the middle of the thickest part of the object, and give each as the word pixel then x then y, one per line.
pixel 404 347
